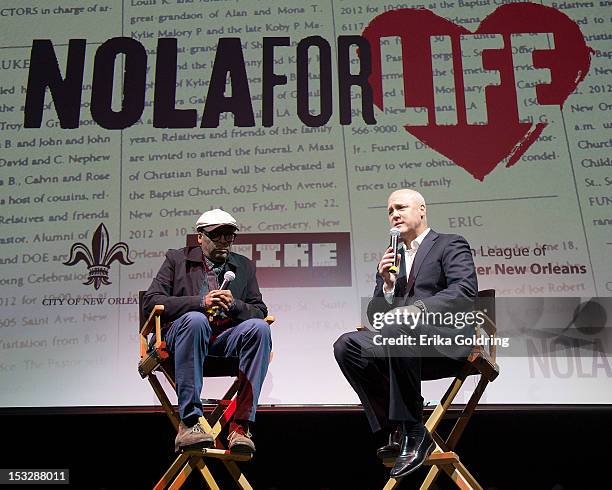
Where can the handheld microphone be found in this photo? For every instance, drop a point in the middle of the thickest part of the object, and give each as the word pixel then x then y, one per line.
pixel 228 277
pixel 395 234
pixel 215 313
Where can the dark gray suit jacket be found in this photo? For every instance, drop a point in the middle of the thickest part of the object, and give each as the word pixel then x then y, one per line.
pixel 444 277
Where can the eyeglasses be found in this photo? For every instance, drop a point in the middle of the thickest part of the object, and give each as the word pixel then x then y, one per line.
pixel 217 236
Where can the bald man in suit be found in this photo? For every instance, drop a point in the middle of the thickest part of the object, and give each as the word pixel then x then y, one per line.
pixel 436 276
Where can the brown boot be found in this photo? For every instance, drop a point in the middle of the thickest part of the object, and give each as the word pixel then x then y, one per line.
pixel 194 437
pixel 239 439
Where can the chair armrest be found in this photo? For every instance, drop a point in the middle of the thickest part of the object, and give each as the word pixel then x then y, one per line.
pixel 491 329
pixel 484 363
pixel 148 325
pixel 153 322
pixel 488 325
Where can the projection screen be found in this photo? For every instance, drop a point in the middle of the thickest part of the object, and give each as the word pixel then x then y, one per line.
pixel 122 121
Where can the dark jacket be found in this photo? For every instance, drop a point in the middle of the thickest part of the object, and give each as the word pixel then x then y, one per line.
pixel 177 286
pixel 444 277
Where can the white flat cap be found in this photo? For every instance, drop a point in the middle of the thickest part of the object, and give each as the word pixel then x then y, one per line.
pixel 214 218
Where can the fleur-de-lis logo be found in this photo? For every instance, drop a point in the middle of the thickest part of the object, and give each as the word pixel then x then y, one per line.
pixel 99 258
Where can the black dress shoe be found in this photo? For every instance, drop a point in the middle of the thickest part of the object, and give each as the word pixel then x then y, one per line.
pixel 392 449
pixel 416 445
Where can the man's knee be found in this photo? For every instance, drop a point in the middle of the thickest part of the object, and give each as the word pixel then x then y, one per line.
pixel 341 346
pixel 392 330
pixel 260 329
pixel 195 323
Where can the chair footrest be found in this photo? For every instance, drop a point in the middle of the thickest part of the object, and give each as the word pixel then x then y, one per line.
pixel 215 401
pixel 448 457
pixel 225 454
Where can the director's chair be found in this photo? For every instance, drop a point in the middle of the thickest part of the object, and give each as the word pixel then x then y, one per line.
pixel 481 362
pixel 153 360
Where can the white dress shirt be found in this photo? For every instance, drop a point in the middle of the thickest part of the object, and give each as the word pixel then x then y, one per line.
pixel 409 254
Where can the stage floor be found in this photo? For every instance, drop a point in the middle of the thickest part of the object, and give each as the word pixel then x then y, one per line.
pixel 556 448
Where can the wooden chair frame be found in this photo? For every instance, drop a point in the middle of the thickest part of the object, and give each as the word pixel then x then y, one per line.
pixel 480 362
pixel 152 360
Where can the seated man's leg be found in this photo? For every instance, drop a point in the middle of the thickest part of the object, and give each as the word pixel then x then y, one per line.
pixel 434 354
pixel 406 403
pixel 187 340
pixel 427 349
pixel 251 342
pixel 405 400
pixel 364 365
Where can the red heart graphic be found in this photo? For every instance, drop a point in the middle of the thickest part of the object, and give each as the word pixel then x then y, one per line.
pixel 479 148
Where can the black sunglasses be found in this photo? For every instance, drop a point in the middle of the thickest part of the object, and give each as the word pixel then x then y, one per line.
pixel 218 234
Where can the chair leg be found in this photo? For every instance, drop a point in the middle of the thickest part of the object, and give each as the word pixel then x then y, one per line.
pixel 431 477
pixel 457 471
pixel 207 475
pixel 183 465
pixel 434 471
pixel 391 484
pixel 195 462
pixel 441 446
pixel 218 418
pixel 219 410
pixel 467 475
pixel 163 398
pixel 170 474
pixel 224 418
pixel 182 476
pixel 237 475
pixel 456 477
pixel 466 415
pixel 206 426
pixel 461 476
pixel 438 413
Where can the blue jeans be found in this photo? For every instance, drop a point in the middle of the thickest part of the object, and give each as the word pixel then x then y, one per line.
pixel 189 341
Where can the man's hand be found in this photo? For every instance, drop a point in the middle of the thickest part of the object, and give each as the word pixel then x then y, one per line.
pixel 383 269
pixel 408 310
pixel 220 298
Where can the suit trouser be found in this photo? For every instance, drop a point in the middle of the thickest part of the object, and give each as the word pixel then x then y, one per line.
pixel 388 379
pixel 189 341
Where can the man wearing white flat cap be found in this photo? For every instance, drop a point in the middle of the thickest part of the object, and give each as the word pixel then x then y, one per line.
pixel 201 319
